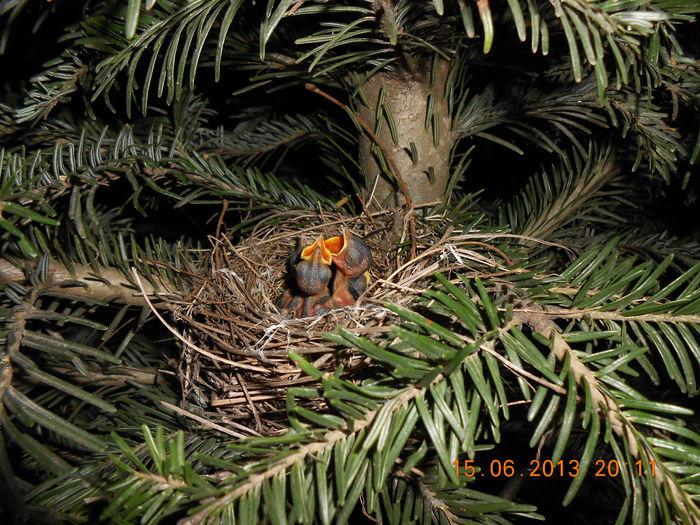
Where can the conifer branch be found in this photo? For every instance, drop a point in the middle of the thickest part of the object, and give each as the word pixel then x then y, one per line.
pixel 330 439
pixel 607 407
pixel 598 315
pixel 109 284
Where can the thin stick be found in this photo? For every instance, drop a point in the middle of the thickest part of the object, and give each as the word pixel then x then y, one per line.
pixel 202 420
pixel 524 373
pixel 249 400
pixel 389 159
pixel 499 252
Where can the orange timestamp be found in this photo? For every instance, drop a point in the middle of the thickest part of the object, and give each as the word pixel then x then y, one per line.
pixel 548 468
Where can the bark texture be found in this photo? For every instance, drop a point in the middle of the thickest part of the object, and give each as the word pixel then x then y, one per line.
pixel 412 102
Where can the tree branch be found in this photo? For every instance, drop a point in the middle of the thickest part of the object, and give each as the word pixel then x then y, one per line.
pixel 575 313
pixel 109 284
pixel 307 450
pixel 607 407
pixel 394 168
pixel 568 203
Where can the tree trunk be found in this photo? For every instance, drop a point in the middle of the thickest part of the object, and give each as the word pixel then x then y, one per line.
pixel 421 152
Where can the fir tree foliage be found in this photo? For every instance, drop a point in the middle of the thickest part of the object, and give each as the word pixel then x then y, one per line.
pixel 585 347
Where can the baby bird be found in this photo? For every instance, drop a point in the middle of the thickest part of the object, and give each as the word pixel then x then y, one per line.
pixel 310 275
pixel 347 290
pixel 350 254
pixel 352 258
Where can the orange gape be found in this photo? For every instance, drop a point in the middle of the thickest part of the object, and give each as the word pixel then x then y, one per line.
pixel 335 244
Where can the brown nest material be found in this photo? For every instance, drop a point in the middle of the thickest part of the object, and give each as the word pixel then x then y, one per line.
pixel 235 361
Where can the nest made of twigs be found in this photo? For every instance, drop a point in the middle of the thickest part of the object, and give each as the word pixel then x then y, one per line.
pixel 236 362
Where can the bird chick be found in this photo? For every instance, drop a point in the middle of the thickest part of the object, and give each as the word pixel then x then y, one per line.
pixel 310 275
pixel 351 255
pixel 352 258
pixel 312 272
pixel 347 290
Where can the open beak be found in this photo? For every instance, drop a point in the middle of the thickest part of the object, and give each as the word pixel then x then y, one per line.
pixel 350 254
pixel 318 251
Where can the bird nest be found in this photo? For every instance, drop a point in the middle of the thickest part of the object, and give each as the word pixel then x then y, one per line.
pixel 235 362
